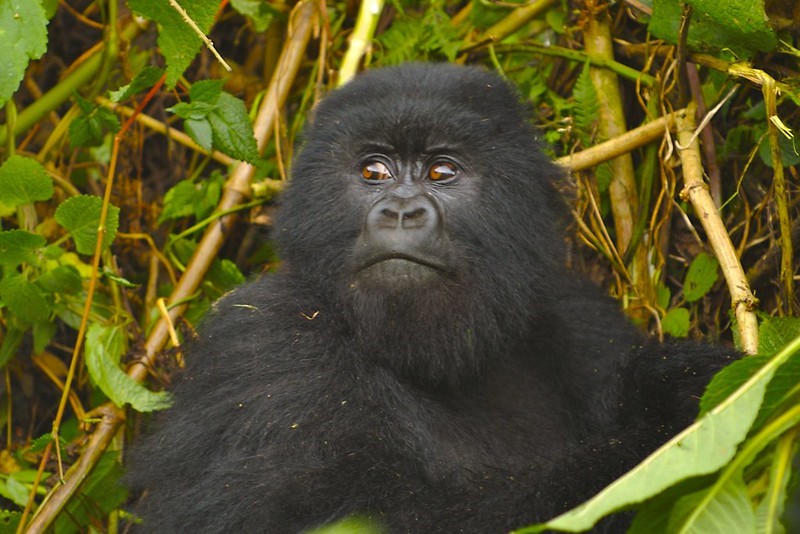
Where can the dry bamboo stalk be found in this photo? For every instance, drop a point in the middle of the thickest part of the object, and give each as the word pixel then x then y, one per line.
pixel 695 190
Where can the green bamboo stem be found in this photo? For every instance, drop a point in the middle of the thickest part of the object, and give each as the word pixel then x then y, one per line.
pixel 623 191
pixel 360 39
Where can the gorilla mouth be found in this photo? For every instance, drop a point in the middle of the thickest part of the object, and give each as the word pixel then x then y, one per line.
pixel 399 260
pixel 403 269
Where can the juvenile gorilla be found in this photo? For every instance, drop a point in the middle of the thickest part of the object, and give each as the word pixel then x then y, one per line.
pixel 423 357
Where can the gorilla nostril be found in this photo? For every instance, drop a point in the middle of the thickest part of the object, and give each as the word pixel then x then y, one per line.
pixel 389 215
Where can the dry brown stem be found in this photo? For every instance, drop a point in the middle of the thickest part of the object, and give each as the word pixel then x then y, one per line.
pixel 695 190
pixel 622 144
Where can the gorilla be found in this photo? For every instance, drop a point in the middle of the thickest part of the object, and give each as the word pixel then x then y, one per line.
pixel 422 358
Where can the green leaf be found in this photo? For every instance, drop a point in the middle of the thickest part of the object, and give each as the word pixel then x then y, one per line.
pixel 586 108
pixel 9 521
pixel 11 342
pixel 740 26
pixel 24 299
pixel 702 275
pixel 92 124
pixel 701 449
pixel 63 279
pixel 206 91
pixel 43 333
pixel 676 322
pixel 232 131
pixel 261 13
pixel 728 510
pixel 14 491
pixel 104 348
pixel 18 246
pixel 101 493
pixel 176 39
pixel 23 32
pixel 24 181
pixel 144 80
pixel 81 217
pixel 775 332
pixel 190 198
pixel 225 274
pixel 201 133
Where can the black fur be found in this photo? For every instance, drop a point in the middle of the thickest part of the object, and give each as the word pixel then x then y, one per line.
pixel 474 388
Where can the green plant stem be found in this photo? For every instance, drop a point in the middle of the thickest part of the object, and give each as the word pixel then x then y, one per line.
pixel 622 191
pixel 77 79
pixel 360 39
pixel 516 19
pixel 781 201
pixel 580 57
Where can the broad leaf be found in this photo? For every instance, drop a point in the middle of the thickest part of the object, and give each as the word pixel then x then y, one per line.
pixel 104 348
pixel 23 32
pixel 81 217
pixel 18 246
pixel 24 181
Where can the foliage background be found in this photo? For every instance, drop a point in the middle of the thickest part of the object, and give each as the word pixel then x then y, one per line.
pixel 127 123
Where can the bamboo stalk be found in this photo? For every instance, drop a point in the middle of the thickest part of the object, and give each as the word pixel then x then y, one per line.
pixel 695 190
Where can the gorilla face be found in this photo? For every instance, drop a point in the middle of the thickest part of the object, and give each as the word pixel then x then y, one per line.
pixel 403 245
pixel 441 220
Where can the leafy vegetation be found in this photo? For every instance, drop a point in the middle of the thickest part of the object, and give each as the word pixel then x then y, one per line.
pixel 137 174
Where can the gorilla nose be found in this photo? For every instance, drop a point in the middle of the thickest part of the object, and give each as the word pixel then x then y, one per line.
pixel 403 213
pixel 403 217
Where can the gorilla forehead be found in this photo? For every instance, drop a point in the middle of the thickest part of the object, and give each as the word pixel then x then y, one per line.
pixel 414 106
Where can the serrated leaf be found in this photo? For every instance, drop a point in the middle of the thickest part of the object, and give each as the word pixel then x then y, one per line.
pixel 676 322
pixel 176 39
pixel 206 91
pixel 700 278
pixel 144 80
pixel 775 332
pixel 192 110
pixel 23 32
pixel 81 217
pixel 18 246
pixel 104 347
pixel 24 299
pixel 24 181
pixel 92 125
pixel 231 129
pixel 190 198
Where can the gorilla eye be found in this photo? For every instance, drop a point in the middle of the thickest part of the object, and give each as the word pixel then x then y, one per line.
pixel 442 171
pixel 375 171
